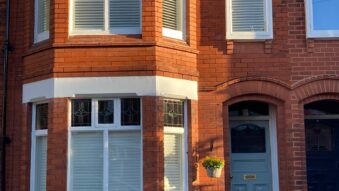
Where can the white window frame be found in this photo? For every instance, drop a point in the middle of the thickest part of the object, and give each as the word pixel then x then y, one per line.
pixel 310 32
pixel 38 37
pixel 107 30
pixel 259 35
pixel 183 132
pixel 178 34
pixel 105 129
pixel 35 134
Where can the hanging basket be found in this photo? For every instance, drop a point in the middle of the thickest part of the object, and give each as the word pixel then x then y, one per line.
pixel 214 173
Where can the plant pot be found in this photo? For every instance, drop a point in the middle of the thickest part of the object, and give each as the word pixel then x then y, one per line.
pixel 214 173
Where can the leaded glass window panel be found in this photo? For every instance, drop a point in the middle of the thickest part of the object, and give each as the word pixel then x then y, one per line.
pixel 106 111
pixel 248 138
pixel 81 112
pixel 174 113
pixel 249 108
pixel 42 116
pixel 130 111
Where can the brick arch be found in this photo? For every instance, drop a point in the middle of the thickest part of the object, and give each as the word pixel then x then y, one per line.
pixel 254 86
pixel 317 87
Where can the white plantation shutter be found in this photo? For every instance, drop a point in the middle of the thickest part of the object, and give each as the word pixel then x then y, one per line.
pixel 41 163
pixel 124 161
pixel 170 13
pixel 173 149
pixel 89 14
pixel 43 16
pixel 87 161
pixel 124 13
pixel 248 15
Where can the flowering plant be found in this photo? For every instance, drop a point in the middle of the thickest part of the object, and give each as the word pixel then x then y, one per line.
pixel 213 163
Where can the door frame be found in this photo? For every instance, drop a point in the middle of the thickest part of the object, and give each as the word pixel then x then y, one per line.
pixel 273 142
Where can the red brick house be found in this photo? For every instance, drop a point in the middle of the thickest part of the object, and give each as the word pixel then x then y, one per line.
pixel 131 95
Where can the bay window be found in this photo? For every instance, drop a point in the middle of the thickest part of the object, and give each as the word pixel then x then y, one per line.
pixel 174 145
pixel 39 147
pixel 322 18
pixel 249 19
pixel 173 19
pixel 105 17
pixel 105 145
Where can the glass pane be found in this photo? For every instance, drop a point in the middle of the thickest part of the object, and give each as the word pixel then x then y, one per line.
pixel 41 163
pixel 248 138
pixel 174 113
pixel 81 112
pixel 41 116
pixel 130 111
pixel 106 111
pixel 327 107
pixel 87 161
pixel 319 135
pixel 124 161
pixel 89 14
pixel 326 14
pixel 249 108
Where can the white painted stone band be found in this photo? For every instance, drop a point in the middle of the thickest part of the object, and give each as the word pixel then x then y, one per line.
pixel 136 85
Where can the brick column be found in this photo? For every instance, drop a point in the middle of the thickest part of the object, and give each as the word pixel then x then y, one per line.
pixel 153 137
pixel 57 144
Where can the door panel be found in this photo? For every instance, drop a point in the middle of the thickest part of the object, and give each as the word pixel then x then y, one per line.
pixel 250 156
pixel 322 145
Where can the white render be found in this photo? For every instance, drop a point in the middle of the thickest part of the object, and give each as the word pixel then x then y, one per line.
pixel 109 86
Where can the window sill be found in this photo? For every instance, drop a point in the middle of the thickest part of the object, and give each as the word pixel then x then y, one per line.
pixel 170 33
pixel 41 37
pixel 112 31
pixel 324 34
pixel 249 36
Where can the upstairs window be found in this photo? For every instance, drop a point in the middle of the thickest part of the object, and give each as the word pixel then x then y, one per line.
pixel 249 19
pixel 173 19
pixel 106 17
pixel 322 18
pixel 41 24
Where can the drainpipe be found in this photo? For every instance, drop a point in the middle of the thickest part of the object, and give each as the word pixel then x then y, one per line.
pixel 4 139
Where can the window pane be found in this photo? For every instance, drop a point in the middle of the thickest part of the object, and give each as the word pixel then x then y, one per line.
pixel 249 108
pixel 174 113
pixel 327 107
pixel 89 14
pixel 254 136
pixel 248 15
pixel 87 161
pixel 124 161
pixel 41 163
pixel 81 112
pixel 169 19
pixel 124 13
pixel 41 116
pixel 325 14
pixel 130 111
pixel 106 111
pixel 173 149
pixel 43 15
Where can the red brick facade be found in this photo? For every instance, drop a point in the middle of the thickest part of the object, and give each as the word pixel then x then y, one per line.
pixel 286 72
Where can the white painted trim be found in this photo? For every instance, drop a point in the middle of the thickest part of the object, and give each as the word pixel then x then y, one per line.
pixel 138 85
pixel 107 29
pixel 274 148
pixel 310 32
pixel 181 33
pixel 322 116
pixel 172 33
pixel 266 35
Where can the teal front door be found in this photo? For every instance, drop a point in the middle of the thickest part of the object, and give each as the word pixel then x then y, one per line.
pixel 250 155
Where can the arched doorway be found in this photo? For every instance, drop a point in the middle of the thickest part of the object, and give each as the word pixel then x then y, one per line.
pixel 322 145
pixel 253 140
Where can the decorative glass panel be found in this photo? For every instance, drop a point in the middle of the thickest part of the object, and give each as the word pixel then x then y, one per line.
pixel 319 135
pixel 41 116
pixel 130 111
pixel 327 107
pixel 81 112
pixel 106 111
pixel 249 108
pixel 248 138
pixel 173 113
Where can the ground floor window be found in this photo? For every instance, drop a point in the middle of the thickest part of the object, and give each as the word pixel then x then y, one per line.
pixel 174 145
pixel 105 145
pixel 39 147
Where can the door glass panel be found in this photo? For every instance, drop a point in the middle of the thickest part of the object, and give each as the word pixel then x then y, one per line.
pixel 248 108
pixel 248 138
pixel 318 137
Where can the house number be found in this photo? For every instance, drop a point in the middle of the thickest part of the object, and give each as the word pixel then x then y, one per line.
pixel 250 176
